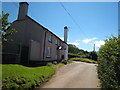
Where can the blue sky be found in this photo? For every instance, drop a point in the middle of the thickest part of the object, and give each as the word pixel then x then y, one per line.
pixel 96 20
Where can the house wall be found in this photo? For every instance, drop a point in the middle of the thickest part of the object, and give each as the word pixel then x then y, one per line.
pixel 27 31
pixel 12 49
pixel 52 45
pixel 36 33
pixel 55 53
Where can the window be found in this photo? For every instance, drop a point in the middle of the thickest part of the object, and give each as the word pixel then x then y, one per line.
pixel 48 52
pixel 50 38
pixel 56 41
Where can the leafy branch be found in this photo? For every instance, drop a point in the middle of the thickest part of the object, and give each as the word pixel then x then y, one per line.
pixel 4 27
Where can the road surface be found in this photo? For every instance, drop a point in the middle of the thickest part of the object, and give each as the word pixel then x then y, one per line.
pixel 75 75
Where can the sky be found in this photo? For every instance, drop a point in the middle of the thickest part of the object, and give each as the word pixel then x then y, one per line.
pixel 91 22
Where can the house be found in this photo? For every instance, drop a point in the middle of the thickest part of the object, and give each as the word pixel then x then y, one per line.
pixel 32 42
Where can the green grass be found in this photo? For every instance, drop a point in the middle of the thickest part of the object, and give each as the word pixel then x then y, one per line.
pixel 83 60
pixel 18 76
pixel 69 61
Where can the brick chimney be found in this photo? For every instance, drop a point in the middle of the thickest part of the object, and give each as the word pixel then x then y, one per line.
pixel 23 10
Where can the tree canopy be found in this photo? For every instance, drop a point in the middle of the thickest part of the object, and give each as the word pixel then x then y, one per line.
pixel 76 52
pixel 4 26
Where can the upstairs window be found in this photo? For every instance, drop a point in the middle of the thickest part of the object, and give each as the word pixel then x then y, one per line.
pixel 56 42
pixel 50 38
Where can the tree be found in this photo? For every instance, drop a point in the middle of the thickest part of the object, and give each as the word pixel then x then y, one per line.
pixel 93 55
pixel 73 49
pixel 76 52
pixel 4 27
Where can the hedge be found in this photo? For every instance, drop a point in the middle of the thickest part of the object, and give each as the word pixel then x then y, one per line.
pixel 72 55
pixel 109 63
pixel 83 60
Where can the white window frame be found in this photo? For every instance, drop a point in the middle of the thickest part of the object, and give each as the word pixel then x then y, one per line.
pixel 56 42
pixel 50 38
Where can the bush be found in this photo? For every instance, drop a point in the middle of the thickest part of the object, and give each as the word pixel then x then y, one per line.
pixel 109 63
pixel 55 62
pixel 69 61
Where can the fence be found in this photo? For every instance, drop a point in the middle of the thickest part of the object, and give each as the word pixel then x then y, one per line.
pixel 8 58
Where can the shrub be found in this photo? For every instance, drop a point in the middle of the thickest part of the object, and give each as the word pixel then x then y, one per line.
pixel 109 63
pixel 55 62
pixel 69 61
pixel 49 64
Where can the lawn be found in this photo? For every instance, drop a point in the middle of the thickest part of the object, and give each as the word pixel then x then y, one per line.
pixel 18 76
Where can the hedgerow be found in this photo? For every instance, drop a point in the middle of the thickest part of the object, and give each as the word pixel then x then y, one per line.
pixel 83 60
pixel 72 55
pixel 109 63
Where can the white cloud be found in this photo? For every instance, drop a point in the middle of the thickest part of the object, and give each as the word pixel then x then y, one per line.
pixel 77 40
pixel 99 43
pixel 88 40
pixel 62 38
pixel 75 43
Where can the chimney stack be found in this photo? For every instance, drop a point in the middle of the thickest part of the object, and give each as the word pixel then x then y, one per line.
pixel 23 10
pixel 65 34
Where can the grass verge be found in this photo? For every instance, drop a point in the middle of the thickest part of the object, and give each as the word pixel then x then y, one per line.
pixel 18 76
pixel 83 60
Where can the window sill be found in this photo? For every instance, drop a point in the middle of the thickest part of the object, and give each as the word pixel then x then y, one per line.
pixel 50 41
pixel 48 56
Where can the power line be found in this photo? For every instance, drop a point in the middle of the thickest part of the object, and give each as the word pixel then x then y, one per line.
pixel 71 16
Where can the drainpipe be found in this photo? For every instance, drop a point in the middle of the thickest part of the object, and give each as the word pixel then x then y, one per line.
pixel 44 47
